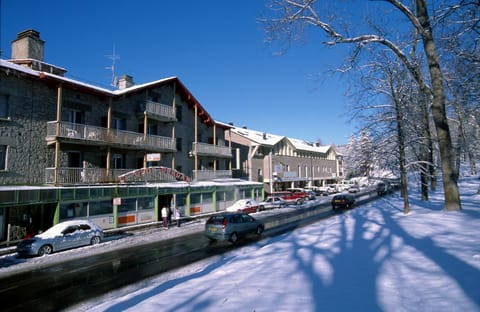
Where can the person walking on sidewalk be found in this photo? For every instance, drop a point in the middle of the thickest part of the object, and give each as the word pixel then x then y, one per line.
pixel 177 216
pixel 164 212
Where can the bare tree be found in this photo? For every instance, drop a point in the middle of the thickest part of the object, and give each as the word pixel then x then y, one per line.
pixel 385 96
pixel 293 16
pixel 460 43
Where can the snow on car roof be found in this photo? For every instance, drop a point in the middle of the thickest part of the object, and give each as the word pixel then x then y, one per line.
pixel 59 227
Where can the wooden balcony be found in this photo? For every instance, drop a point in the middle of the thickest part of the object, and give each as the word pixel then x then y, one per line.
pixel 69 176
pixel 92 135
pixel 159 111
pixel 89 176
pixel 208 175
pixel 204 149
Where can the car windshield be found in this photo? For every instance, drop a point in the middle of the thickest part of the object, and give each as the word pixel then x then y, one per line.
pixel 55 230
pixel 247 218
pixel 216 220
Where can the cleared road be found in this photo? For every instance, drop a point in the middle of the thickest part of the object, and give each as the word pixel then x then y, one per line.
pixel 57 286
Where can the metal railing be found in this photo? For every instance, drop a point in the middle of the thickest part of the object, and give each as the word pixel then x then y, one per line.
pixel 87 176
pixel 87 133
pixel 67 175
pixel 160 111
pixel 204 149
pixel 206 175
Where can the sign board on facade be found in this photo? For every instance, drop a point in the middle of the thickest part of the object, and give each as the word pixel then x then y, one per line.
pixel 289 174
pixel 153 157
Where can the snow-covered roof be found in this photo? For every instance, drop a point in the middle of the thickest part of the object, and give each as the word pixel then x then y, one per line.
pixel 308 146
pixel 145 85
pixel 19 68
pixel 135 88
pixel 224 125
pixel 269 139
pixel 259 137
pixel 76 82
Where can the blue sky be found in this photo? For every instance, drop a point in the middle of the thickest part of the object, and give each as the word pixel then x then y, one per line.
pixel 215 47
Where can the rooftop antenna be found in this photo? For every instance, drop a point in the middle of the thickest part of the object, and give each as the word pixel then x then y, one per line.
pixel 113 57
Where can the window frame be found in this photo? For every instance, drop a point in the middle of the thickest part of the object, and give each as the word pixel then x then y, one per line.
pixel 4 106
pixel 3 157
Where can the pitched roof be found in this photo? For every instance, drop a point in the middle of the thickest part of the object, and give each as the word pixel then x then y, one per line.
pixel 269 139
pixel 181 89
pixel 258 137
pixel 308 146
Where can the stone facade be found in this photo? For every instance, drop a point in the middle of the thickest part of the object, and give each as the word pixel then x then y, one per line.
pixel 28 45
pixel 30 105
pixel 33 100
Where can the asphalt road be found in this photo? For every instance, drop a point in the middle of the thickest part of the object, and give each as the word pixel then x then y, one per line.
pixel 57 286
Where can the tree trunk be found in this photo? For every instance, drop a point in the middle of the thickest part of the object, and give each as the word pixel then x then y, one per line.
pixel 424 148
pixel 452 196
pixel 401 150
pixel 473 165
pixel 432 166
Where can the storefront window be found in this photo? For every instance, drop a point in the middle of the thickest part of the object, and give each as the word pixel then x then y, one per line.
pixel 181 199
pixel 100 207
pixel 229 196
pixel 207 198
pixel 195 199
pixel 73 210
pixel 145 203
pixel 128 204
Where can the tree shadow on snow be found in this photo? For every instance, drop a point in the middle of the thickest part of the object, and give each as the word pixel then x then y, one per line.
pixel 365 242
pixel 352 285
pixel 170 284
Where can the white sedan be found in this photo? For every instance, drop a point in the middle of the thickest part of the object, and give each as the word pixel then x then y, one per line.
pixel 247 205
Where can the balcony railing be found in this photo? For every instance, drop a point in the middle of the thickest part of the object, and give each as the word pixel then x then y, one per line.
pixel 204 149
pixel 88 176
pixel 68 175
pixel 86 134
pixel 159 111
pixel 206 175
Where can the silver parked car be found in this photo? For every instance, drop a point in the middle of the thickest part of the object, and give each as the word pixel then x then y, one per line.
pixel 231 226
pixel 272 202
pixel 354 189
pixel 64 235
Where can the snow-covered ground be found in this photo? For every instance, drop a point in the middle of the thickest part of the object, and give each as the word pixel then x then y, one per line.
pixel 373 258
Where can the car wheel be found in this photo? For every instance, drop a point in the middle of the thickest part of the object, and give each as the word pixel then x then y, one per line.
pixel 45 250
pixel 260 208
pixel 233 238
pixel 282 205
pixel 95 240
pixel 259 230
